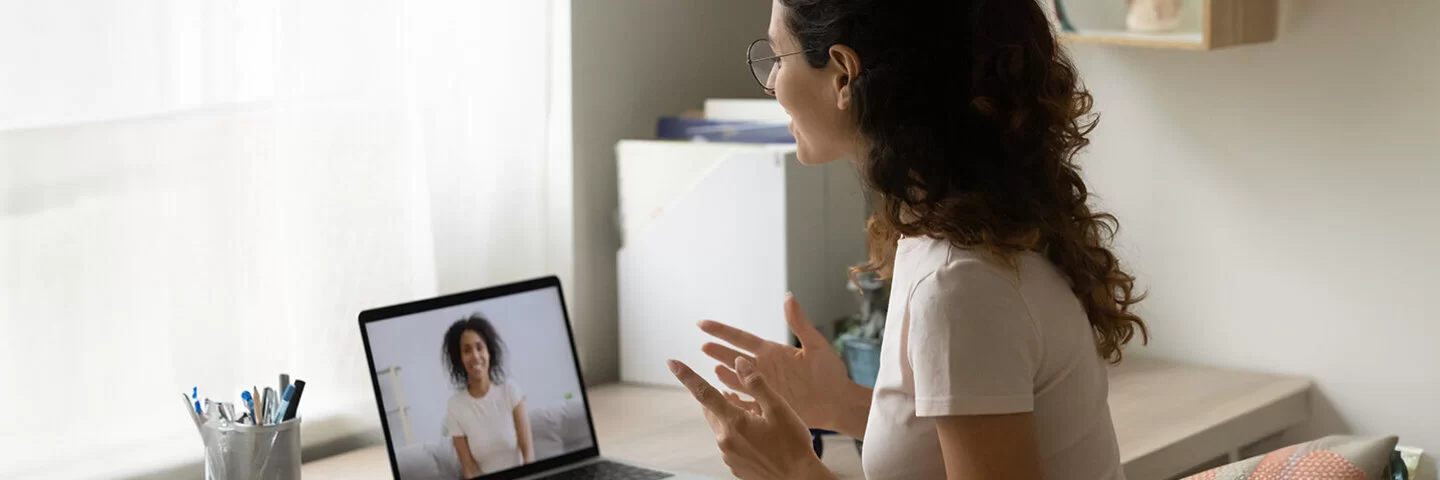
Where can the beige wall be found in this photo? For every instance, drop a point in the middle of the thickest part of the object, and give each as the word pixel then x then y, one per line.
pixel 634 61
pixel 1276 199
pixel 1280 202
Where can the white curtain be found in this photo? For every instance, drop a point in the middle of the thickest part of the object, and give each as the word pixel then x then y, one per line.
pixel 206 193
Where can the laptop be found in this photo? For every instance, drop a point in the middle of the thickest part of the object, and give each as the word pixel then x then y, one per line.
pixel 465 366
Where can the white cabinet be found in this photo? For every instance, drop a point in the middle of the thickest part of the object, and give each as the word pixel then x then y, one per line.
pixel 723 231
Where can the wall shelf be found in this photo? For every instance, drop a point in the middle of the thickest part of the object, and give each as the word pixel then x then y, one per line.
pixel 1205 25
pixel 1177 41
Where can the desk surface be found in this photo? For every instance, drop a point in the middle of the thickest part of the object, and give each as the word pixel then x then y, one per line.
pixel 1168 417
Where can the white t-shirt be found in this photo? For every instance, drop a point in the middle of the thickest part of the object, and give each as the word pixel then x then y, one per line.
pixel 967 336
pixel 488 424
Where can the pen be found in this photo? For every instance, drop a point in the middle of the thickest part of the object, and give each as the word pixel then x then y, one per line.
pixel 195 396
pixel 284 382
pixel 255 397
pixel 284 404
pixel 294 400
pixel 249 403
pixel 194 415
pixel 275 406
pixel 269 402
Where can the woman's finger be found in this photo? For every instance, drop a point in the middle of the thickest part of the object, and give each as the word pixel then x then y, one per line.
pixel 716 426
pixel 748 406
pixel 800 324
pixel 723 354
pixel 707 395
pixel 732 335
pixel 771 403
pixel 729 378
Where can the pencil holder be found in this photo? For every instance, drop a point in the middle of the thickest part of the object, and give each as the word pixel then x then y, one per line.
pixel 249 452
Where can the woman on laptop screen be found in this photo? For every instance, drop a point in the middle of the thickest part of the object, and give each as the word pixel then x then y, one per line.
pixel 486 416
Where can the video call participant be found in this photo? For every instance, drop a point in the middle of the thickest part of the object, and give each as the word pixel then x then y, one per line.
pixel 486 416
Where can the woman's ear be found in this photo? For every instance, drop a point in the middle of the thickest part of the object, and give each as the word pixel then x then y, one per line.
pixel 844 67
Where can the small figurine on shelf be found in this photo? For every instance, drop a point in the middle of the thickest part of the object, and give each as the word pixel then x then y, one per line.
pixel 1153 16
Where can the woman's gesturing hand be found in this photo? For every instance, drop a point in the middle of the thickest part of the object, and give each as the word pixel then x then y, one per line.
pixel 812 379
pixel 766 442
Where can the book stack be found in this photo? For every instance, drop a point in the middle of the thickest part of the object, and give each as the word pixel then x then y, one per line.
pixel 730 120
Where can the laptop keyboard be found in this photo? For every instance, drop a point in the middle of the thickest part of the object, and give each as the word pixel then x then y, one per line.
pixel 604 470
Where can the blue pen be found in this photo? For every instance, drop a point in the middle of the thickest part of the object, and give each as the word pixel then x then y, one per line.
pixel 249 402
pixel 284 404
pixel 195 395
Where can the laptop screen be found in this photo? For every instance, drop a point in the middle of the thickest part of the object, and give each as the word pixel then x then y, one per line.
pixel 490 382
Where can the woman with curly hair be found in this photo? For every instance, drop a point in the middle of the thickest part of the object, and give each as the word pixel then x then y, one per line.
pixel 963 118
pixel 486 416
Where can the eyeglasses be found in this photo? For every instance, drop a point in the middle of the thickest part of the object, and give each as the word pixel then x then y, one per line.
pixel 762 59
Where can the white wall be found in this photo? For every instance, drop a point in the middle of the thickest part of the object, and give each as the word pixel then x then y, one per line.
pixel 634 61
pixel 538 360
pixel 1279 201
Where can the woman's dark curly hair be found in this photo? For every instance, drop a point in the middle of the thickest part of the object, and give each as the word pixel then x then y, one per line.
pixel 450 351
pixel 971 116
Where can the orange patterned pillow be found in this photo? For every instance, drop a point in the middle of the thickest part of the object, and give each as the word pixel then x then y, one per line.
pixel 1331 458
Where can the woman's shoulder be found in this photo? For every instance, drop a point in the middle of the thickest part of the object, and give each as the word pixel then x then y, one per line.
pixel 939 260
pixel 512 391
pixel 457 398
pixel 1028 276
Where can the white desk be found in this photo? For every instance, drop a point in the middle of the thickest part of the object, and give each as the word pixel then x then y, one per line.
pixel 1168 418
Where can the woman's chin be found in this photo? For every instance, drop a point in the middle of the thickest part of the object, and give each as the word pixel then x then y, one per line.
pixel 807 157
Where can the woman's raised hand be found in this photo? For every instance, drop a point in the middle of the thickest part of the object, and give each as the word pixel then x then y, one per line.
pixel 812 379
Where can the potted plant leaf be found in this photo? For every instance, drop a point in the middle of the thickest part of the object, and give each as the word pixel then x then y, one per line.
pixel 858 335
pixel 857 338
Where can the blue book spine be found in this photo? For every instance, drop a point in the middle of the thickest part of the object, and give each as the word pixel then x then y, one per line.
pixel 699 129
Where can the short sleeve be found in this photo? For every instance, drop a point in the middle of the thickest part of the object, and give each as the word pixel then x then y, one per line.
pixel 452 419
pixel 972 346
pixel 516 395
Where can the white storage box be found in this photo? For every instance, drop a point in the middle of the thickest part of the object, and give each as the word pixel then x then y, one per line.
pixel 723 231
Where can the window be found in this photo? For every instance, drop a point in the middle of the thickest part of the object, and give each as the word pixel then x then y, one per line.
pixel 207 192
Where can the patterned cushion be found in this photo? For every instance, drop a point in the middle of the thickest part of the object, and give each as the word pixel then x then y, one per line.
pixel 1331 458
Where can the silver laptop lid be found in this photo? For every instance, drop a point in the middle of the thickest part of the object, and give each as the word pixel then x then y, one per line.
pixel 491 366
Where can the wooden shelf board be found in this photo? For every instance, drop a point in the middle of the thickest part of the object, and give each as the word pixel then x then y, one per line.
pixel 1177 41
